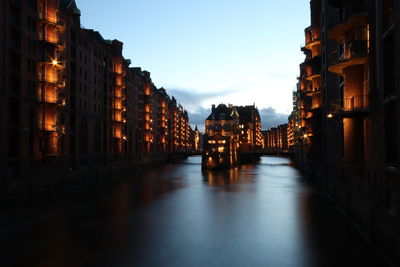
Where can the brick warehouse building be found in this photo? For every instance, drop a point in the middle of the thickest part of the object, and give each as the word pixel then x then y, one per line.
pixel 71 103
pixel 349 101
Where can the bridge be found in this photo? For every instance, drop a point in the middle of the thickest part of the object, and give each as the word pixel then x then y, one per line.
pixel 184 154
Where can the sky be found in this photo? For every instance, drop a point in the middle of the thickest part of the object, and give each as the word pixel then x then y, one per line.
pixel 206 52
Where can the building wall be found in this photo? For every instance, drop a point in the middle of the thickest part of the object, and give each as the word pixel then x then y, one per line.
pixel 71 104
pixel 359 125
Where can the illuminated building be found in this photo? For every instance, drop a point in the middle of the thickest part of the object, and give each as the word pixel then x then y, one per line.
pixel 352 145
pixel 250 136
pixel 198 140
pixel 294 124
pixel 71 104
pixel 276 139
pixel 232 134
pixel 310 87
pixel 221 140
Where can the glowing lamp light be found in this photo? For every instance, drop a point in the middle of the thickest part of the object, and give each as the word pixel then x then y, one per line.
pixel 305 135
pixel 54 62
pixel 330 115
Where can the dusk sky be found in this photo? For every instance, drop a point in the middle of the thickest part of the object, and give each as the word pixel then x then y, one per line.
pixel 211 51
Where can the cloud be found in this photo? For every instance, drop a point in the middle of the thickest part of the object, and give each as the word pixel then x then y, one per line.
pixel 271 118
pixel 192 100
pixel 198 117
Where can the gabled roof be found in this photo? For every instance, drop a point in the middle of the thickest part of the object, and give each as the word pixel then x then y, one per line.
pixel 247 113
pixel 223 112
pixel 70 5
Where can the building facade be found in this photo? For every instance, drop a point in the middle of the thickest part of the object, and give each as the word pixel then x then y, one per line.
pixel 233 135
pixel 276 139
pixel 71 103
pixel 250 135
pixel 351 138
pixel 221 139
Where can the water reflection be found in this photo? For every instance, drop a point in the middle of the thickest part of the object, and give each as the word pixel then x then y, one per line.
pixel 223 177
pixel 263 214
pixel 120 208
pixel 153 184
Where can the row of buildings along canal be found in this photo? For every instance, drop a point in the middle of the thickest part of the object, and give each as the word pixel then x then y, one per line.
pixel 346 113
pixel 72 104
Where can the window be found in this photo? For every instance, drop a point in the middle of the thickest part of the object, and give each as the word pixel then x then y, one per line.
pixel 83 137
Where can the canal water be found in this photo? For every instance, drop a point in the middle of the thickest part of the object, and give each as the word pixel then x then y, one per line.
pixel 263 214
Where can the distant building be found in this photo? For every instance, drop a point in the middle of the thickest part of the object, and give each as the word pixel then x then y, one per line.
pixel 276 139
pixel 238 128
pixel 250 136
pixel 198 140
pixel 294 124
pixel 221 140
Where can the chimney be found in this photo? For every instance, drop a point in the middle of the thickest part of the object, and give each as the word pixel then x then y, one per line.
pixel 213 108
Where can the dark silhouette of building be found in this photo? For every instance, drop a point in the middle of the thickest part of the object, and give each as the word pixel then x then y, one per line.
pixel 349 94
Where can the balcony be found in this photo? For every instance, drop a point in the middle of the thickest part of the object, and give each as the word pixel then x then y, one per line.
pixel 308 115
pixel 355 53
pixel 312 42
pixel 50 99
pixel 51 78
pixel 50 146
pixel 311 68
pixel 52 20
pixel 61 24
pixel 353 19
pixel 310 91
pixel 350 107
pixel 51 127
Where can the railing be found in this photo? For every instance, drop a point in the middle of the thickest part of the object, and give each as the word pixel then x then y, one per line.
pixel 316 104
pixel 312 40
pixel 356 48
pixel 313 69
pixel 355 103
pixel 336 57
pixel 48 99
pixel 58 79
pixel 50 127
pixel 60 22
